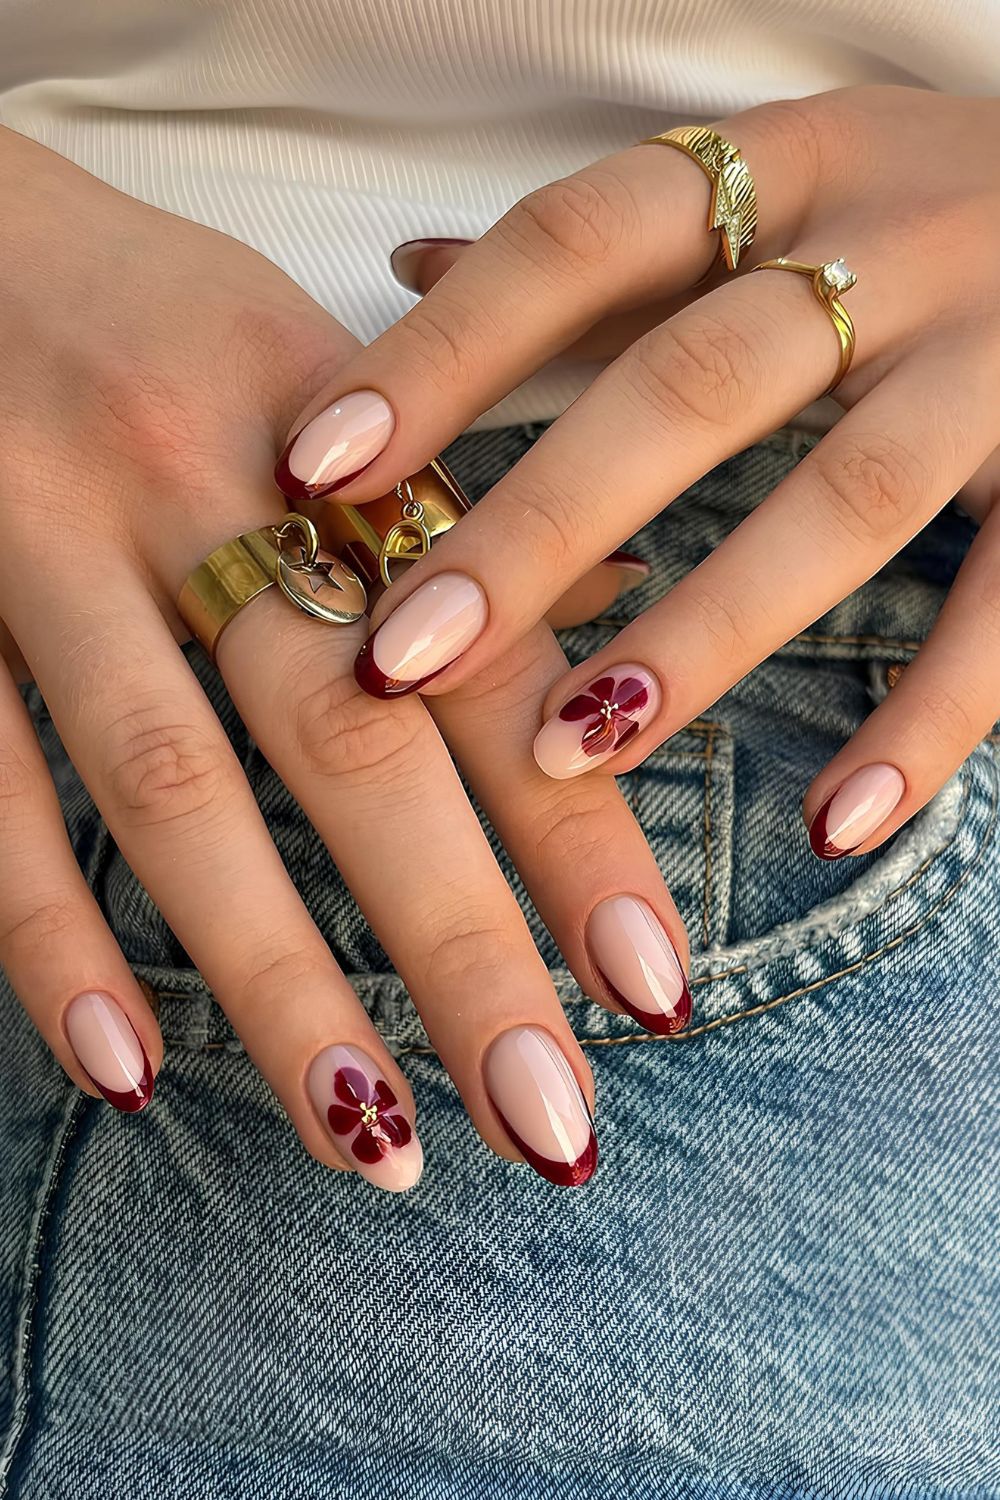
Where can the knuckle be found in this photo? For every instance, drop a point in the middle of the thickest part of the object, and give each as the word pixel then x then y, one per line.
pixel 573 831
pixel 275 969
pixel 341 732
pixel 161 768
pixel 548 516
pixel 466 945
pixel 581 219
pixel 703 368
pixel 446 346
pixel 52 920
pixel 729 622
pixel 17 780
pixel 947 717
pixel 871 487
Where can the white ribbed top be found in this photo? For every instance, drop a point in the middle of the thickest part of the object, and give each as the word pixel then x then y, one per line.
pixel 325 132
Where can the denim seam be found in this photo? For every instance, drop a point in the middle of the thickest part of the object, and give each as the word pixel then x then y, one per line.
pixel 48 1188
pixel 404 1049
pixel 817 984
pixel 708 831
pixel 718 1022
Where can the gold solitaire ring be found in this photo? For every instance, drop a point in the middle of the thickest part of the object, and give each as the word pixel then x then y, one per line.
pixel 829 282
pixel 733 209
pixel 288 557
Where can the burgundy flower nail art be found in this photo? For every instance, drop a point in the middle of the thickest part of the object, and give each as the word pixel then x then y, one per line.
pixel 368 1108
pixel 596 723
pixel 609 705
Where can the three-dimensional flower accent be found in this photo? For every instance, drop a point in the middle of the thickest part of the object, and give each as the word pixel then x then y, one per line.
pixel 609 705
pixel 368 1105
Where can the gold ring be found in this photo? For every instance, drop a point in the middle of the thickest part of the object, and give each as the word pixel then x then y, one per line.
pixel 829 281
pixel 733 209
pixel 289 556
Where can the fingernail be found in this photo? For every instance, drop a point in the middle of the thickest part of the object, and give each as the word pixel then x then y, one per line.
pixel 109 1051
pixel 598 722
pixel 635 569
pixel 335 447
pixel 857 808
pixel 439 621
pixel 364 1119
pixel 406 259
pixel 638 964
pixel 534 1091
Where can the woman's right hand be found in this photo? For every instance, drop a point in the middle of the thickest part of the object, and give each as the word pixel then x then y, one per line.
pixel 151 370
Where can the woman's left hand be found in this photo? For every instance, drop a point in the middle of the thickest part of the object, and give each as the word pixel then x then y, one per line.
pixel 901 184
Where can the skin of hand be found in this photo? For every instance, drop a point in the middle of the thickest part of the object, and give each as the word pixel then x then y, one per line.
pixel 904 186
pixel 153 369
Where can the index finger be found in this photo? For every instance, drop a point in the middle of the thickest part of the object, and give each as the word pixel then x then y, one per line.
pixel 622 231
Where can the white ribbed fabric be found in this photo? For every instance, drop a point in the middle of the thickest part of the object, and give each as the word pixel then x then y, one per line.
pixel 325 132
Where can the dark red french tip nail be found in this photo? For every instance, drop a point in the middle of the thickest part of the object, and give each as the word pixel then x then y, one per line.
pixel 630 562
pixel 818 841
pixel 373 681
pixel 658 1022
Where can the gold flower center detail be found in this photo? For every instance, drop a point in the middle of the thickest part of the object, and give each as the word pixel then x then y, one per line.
pixel 369 1115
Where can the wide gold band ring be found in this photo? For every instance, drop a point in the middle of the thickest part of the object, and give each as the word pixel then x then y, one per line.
pixel 288 557
pixel 733 208
pixel 829 282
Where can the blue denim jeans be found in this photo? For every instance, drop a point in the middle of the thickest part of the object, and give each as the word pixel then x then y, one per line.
pixel 781 1281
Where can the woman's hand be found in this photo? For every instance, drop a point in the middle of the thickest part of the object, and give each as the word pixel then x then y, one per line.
pixel 151 369
pixel 905 187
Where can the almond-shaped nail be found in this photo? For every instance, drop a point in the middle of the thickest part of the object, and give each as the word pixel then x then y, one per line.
pixel 108 1049
pixel 425 634
pixel 535 1093
pixel 335 447
pixel 597 722
pixel 358 1108
pixel 638 964
pixel 857 809
pixel 407 259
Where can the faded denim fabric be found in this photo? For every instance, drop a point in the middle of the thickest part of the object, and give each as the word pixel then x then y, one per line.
pixel 781 1282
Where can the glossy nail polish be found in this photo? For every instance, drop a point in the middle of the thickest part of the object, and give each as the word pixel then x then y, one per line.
pixel 108 1049
pixel 638 964
pixel 421 637
pixel 535 1093
pixel 857 809
pixel 634 570
pixel 407 258
pixel 597 722
pixel 360 1112
pixel 335 447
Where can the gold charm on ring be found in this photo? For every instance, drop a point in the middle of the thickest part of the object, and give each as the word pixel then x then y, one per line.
pixel 409 539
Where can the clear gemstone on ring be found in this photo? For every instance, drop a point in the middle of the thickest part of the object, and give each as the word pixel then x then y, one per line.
pixel 837 274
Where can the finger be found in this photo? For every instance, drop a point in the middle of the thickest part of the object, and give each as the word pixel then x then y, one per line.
pixel 579 850
pixel 376 781
pixel 419 264
pixel 712 381
pixel 942 706
pixel 597 590
pixel 55 947
pixel 621 232
pixel 159 767
pixel 851 504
